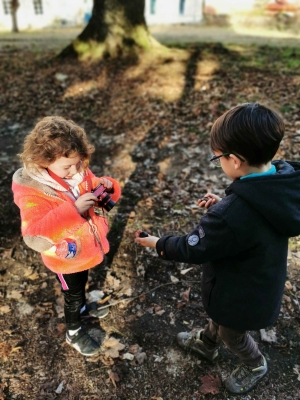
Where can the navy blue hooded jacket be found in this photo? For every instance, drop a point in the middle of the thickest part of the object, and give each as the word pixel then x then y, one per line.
pixel 242 243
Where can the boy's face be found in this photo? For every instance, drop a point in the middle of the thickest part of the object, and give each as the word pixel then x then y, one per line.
pixel 66 167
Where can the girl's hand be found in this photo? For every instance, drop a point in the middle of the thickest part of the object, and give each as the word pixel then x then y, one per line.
pixel 106 183
pixel 84 202
pixel 208 200
pixel 149 241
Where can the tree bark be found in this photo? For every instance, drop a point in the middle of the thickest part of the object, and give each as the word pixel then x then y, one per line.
pixel 14 5
pixel 116 28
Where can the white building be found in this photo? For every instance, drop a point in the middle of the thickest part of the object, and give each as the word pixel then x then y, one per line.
pixel 173 11
pixel 37 14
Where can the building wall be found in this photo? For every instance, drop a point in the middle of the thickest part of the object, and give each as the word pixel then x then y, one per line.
pixel 77 12
pixel 54 13
pixel 173 11
pixel 230 6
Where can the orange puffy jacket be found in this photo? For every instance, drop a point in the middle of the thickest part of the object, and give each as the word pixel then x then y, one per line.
pixel 49 216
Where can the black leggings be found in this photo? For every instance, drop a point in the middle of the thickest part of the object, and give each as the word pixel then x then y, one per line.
pixel 73 289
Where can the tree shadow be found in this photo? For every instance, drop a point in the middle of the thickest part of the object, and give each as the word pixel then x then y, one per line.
pixel 148 150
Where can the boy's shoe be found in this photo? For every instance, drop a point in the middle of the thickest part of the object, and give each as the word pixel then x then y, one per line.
pixel 91 311
pixel 82 342
pixel 193 341
pixel 244 378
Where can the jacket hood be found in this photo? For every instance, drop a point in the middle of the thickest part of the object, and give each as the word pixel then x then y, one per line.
pixel 276 197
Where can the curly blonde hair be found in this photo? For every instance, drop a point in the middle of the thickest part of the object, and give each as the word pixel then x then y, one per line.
pixel 54 137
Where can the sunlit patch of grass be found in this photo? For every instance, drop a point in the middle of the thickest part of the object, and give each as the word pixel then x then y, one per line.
pixel 286 108
pixel 266 57
pixel 205 70
pixel 81 88
pixel 161 74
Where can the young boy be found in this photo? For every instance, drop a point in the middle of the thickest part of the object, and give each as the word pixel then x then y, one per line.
pixel 242 241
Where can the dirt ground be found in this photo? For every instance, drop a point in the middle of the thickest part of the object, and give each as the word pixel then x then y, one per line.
pixel 237 33
pixel 150 124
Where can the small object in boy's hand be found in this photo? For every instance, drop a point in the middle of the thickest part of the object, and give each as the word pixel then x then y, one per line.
pixel 205 199
pixel 143 234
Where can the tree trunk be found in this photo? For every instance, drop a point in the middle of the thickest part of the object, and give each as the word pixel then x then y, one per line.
pixel 14 5
pixel 116 28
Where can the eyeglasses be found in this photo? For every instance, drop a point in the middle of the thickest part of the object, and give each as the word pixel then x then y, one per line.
pixel 216 159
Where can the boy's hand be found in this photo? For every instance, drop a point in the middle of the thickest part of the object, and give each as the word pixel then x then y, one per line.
pixel 84 202
pixel 149 241
pixel 208 200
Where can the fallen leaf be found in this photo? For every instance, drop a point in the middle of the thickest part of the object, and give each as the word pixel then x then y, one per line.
pixel 60 388
pixel 34 276
pixel 95 295
pixel 140 357
pixel 113 282
pixel 158 358
pixel 157 308
pixel 268 336
pixel 210 384
pixel 114 346
pixel 14 294
pixel 172 318
pixel 28 272
pixel 61 328
pixel 181 304
pixel 142 298
pixel 128 356
pixel 4 309
pixel 113 353
pixel 7 348
pixel 113 377
pixel 174 279
pixel 296 369
pixel 185 271
pixel 288 285
pixel 16 349
pixel 186 295
pixel 7 253
pixel 131 317
pixel 134 348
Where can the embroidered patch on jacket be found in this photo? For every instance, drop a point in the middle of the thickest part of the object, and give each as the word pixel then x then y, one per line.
pixel 201 232
pixel 193 240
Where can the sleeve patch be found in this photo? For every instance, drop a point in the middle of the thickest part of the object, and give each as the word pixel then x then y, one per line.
pixel 193 240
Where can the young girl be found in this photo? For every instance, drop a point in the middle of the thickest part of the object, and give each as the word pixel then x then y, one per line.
pixel 62 218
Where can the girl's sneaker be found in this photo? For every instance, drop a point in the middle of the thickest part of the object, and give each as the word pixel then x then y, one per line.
pixel 91 311
pixel 194 342
pixel 83 343
pixel 244 378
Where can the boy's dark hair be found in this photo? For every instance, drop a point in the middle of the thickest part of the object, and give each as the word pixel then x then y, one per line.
pixel 250 130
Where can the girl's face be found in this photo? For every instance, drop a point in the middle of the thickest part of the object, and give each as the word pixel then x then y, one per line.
pixel 66 167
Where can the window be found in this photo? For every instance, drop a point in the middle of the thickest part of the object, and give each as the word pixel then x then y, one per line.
pixel 181 6
pixel 6 6
pixel 152 6
pixel 38 6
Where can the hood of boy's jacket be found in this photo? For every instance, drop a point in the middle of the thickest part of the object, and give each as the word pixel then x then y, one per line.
pixel 276 196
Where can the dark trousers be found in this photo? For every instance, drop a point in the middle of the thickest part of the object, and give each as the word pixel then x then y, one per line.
pixel 73 289
pixel 239 343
